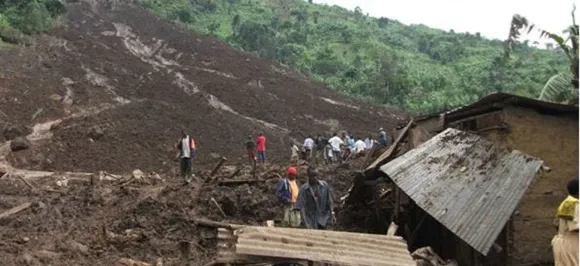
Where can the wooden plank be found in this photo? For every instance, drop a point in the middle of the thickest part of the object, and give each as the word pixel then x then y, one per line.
pixel 15 210
pixel 215 224
pixel 217 205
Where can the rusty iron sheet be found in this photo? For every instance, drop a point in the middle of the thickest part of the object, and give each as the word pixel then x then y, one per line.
pixel 470 185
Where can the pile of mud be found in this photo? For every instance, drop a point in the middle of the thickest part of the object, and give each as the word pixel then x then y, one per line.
pixel 112 87
pixel 151 219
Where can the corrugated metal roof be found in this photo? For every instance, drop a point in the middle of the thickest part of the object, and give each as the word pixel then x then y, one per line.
pixel 470 185
pixel 334 247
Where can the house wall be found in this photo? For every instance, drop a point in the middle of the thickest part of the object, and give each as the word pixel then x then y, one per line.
pixel 431 124
pixel 554 139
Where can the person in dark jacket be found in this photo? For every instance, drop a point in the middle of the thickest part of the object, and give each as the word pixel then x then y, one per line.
pixel 315 202
pixel 287 193
pixel 251 147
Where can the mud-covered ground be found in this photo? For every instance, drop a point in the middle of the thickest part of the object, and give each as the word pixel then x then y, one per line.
pixel 149 219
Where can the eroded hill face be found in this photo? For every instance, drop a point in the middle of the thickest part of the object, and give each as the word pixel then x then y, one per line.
pixel 111 90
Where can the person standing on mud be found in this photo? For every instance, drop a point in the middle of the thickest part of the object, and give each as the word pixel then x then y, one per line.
pixel 315 202
pixel 335 142
pixel 287 193
pixel 308 146
pixel 185 146
pixel 251 146
pixel 383 139
pixel 294 150
pixel 369 142
pixel 261 143
pixel 565 242
pixel 318 148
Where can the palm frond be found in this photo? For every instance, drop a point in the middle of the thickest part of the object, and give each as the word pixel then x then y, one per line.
pixel 559 89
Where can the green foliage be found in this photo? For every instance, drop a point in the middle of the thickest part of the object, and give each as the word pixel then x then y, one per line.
pixel 380 60
pixel 556 87
pixel 27 16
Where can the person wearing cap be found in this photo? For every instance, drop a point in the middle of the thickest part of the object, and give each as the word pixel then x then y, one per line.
pixel 315 202
pixel 287 193
pixel 383 140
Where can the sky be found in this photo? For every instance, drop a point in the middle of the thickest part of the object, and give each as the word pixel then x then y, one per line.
pixel 491 18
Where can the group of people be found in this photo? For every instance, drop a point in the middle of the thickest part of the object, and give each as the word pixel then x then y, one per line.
pixel 309 205
pixel 259 145
pixel 336 149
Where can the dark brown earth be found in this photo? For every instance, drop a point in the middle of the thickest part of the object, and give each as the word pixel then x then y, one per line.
pixel 148 220
pixel 125 83
pixel 110 90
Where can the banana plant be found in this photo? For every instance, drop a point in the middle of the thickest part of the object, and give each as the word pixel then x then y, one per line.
pixel 563 87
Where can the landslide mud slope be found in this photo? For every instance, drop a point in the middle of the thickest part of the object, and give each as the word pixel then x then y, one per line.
pixel 111 88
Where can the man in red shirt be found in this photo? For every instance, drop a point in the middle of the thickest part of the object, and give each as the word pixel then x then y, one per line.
pixel 261 145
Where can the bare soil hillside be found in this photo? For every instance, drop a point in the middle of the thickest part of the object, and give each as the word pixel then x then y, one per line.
pixel 111 88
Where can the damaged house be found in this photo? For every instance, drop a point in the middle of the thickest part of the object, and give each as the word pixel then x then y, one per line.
pixel 469 204
pixel 541 129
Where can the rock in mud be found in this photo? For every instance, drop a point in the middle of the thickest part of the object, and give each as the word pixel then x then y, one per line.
pixel 96 132
pixel 19 143
pixel 78 247
pixel 11 131
pixel 138 174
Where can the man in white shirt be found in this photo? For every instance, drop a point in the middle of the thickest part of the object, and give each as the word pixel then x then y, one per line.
pixel 335 142
pixel 369 142
pixel 308 146
pixel 185 147
pixel 359 146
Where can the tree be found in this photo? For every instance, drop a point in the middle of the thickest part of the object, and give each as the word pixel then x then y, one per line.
pixel 554 87
pixel 315 16
pixel 212 27
pixel 383 22
pixel 357 12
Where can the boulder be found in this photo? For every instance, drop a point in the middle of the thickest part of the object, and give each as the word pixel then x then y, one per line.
pixel 19 143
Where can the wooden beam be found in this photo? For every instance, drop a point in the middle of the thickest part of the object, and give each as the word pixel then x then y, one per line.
pixel 15 210
pixel 26 182
pixel 209 223
pixel 217 166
